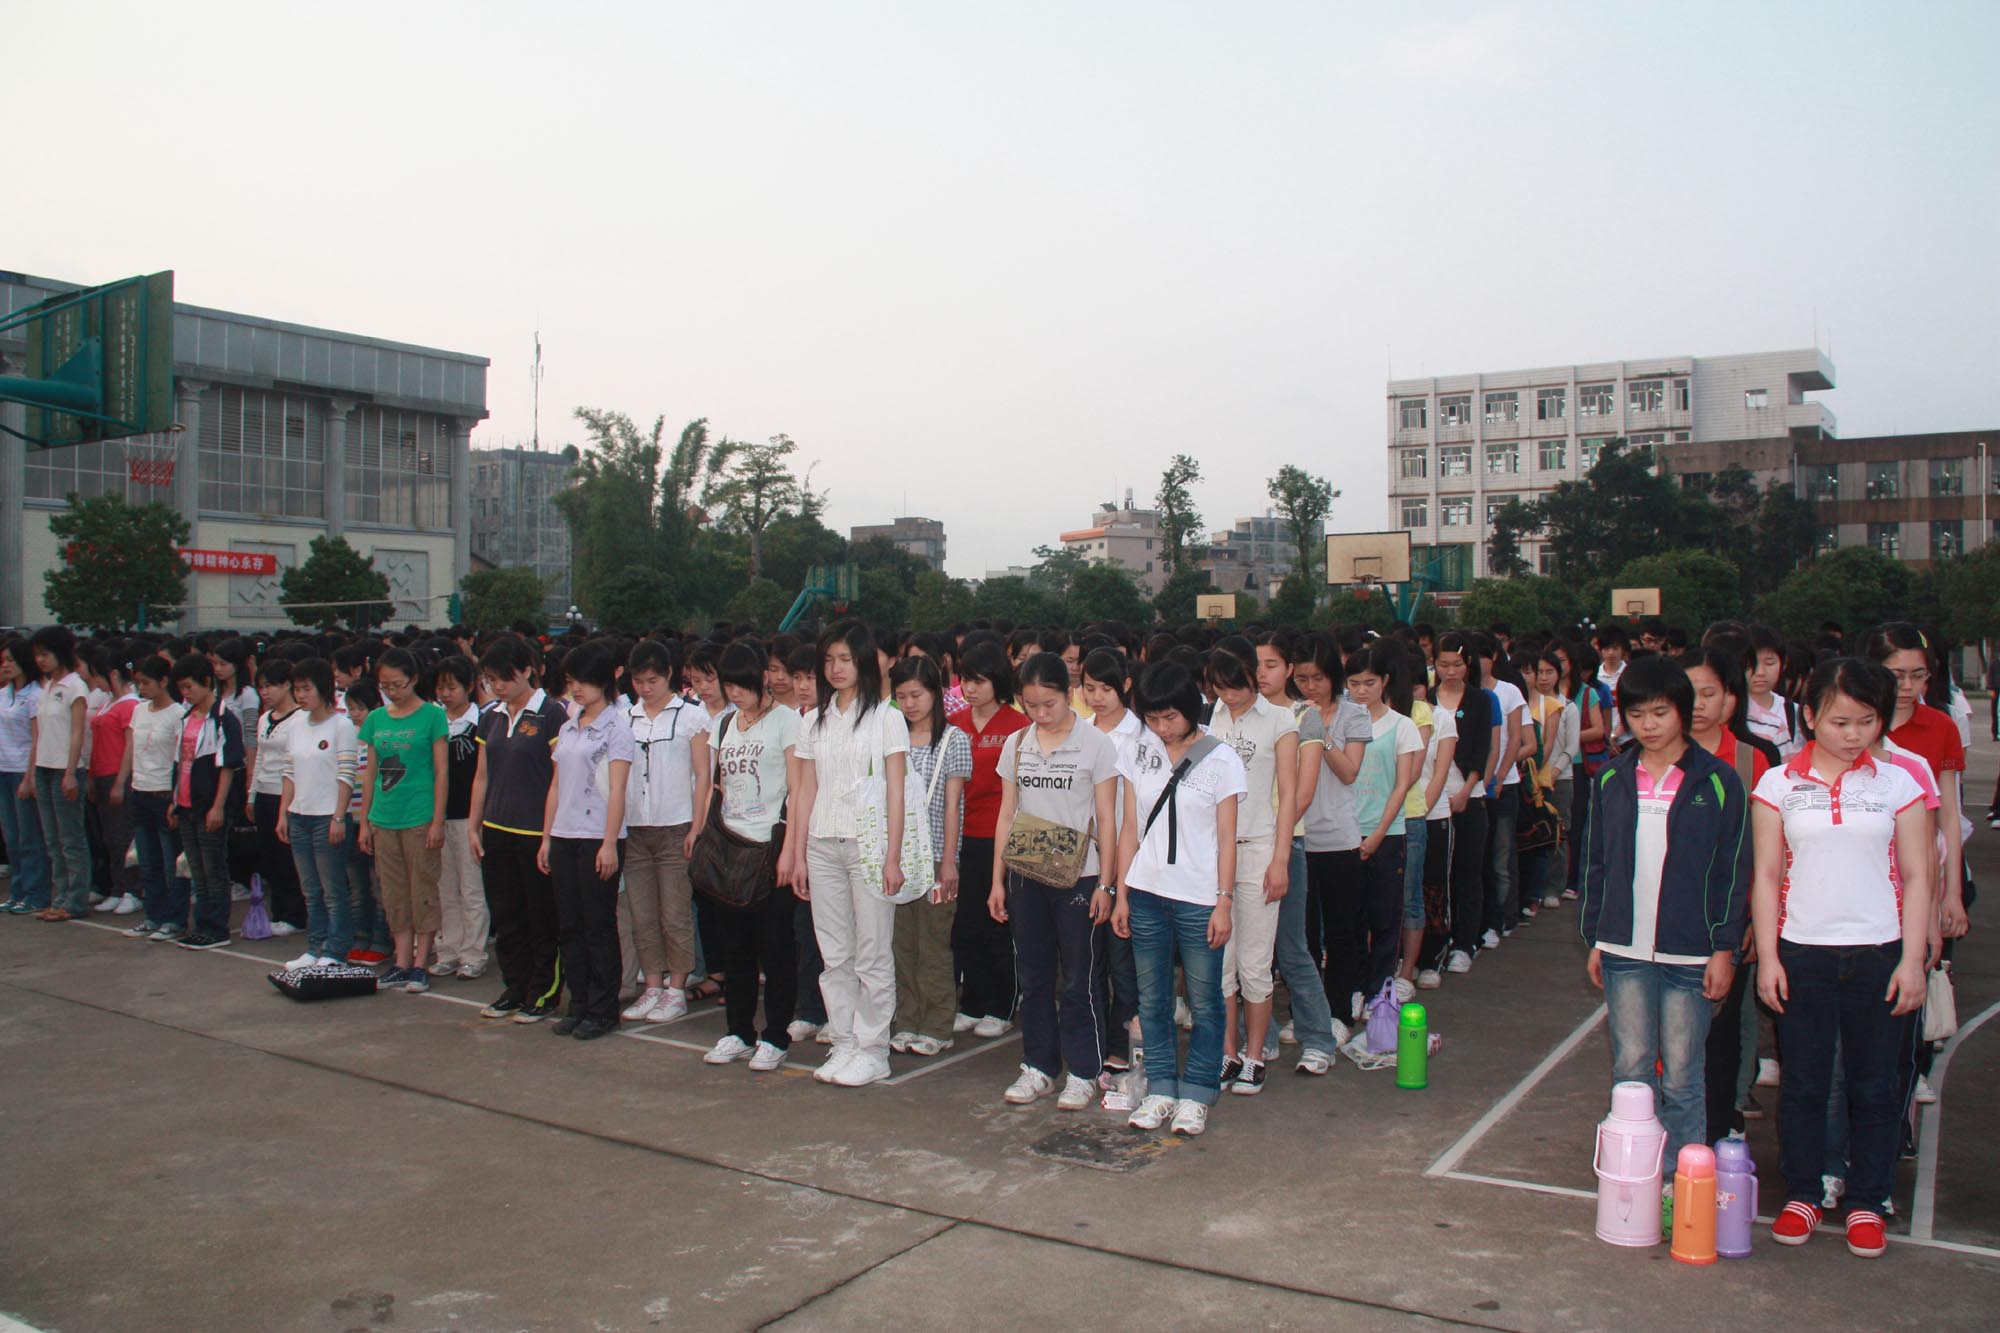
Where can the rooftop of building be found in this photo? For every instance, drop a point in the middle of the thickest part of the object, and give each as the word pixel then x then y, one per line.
pixel 1812 367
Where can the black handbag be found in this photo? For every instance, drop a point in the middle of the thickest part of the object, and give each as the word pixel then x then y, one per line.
pixel 727 868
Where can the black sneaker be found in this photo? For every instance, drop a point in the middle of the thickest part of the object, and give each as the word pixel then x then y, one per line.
pixel 566 1025
pixel 504 1007
pixel 1231 1067
pixel 199 940
pixel 1249 1080
pixel 590 1029
pixel 533 1013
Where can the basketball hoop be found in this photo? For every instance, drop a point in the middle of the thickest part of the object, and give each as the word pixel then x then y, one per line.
pixel 149 459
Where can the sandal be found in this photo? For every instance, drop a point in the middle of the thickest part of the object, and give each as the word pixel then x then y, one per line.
pixel 706 989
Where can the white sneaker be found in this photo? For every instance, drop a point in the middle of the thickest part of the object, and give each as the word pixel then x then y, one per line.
pixel 1288 1035
pixel 991 1026
pixel 672 1004
pixel 471 971
pixel 963 1023
pixel 900 1042
pixel 800 1030
pixel 1926 1094
pixel 1429 979
pixel 767 1058
pixel 1832 1189
pixel 1767 1072
pixel 128 904
pixel 824 1035
pixel 1460 961
pixel 328 960
pixel 1190 1118
pixel 306 959
pixel 1315 1062
pixel 1405 988
pixel 1152 1112
pixel 238 894
pixel 1077 1093
pixel 1490 940
pixel 643 1006
pixel 925 1044
pixel 1183 1016
pixel 1341 1034
pixel 834 1063
pixel 1032 1084
pixel 1552 900
pixel 99 903
pixel 280 929
pixel 727 1051
pixel 861 1070
pixel 141 931
pixel 1357 1003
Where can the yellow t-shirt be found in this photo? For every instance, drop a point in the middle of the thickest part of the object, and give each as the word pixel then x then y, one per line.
pixel 1413 804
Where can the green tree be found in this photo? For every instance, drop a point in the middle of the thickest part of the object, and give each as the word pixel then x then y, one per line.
pixel 1530 603
pixel 1347 607
pixel 1294 601
pixel 756 489
pixel 117 559
pixel 1054 568
pixel 1856 587
pixel 881 599
pixel 1697 588
pixel 939 601
pixel 1503 548
pixel 1180 521
pixel 635 601
pixel 610 506
pixel 1105 592
pixel 794 543
pixel 334 583
pixel 1765 533
pixel 1305 501
pixel 759 602
pixel 1174 603
pixel 1013 598
pixel 1621 510
pixel 881 554
pixel 1968 594
pixel 497 598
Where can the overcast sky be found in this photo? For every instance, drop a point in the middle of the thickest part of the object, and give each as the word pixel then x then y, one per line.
pixel 995 263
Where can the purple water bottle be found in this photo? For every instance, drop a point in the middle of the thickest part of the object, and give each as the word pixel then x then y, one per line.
pixel 1735 1198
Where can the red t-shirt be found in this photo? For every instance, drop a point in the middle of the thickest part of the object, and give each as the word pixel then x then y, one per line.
pixel 107 736
pixel 1931 733
pixel 1727 757
pixel 982 793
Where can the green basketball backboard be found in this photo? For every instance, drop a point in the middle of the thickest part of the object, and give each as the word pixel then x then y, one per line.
pixel 99 362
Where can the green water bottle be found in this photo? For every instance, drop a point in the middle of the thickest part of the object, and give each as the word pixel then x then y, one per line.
pixel 1413 1047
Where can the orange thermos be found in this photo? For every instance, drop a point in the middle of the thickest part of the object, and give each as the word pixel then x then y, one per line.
pixel 1694 1205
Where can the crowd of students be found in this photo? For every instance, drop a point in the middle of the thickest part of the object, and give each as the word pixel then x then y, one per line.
pixel 1098 837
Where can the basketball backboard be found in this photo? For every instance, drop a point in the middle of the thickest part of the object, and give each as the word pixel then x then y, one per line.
pixel 1215 606
pixel 1367 557
pixel 1635 601
pixel 99 362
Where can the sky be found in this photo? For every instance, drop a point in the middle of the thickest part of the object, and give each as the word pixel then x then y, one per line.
pixel 994 264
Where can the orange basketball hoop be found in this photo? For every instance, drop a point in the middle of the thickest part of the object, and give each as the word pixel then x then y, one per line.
pixel 149 459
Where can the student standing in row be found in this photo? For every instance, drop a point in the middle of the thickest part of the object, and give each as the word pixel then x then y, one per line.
pixel 1333 739
pixel 316 774
pixel 145 787
pixel 402 814
pixel 1378 681
pixel 109 823
pixel 982 946
pixel 462 915
pixel 61 732
pixel 21 821
pixel 276 868
pixel 208 767
pixel 1107 690
pixel 940 763
pixel 659 811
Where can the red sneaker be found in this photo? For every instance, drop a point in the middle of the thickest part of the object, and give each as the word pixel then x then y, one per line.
pixel 366 956
pixel 1795 1225
pixel 1866 1234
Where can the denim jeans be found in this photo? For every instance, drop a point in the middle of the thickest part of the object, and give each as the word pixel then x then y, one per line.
pixel 1166 931
pixel 1312 1019
pixel 63 835
pixel 166 903
pixel 1835 1009
pixel 1416 837
pixel 364 905
pixel 22 823
pixel 1658 1016
pixel 322 867
pixel 208 865
pixel 1503 901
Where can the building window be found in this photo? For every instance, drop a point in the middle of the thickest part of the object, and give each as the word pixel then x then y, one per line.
pixel 1595 400
pixel 1886 538
pixel 1646 396
pixel 1587 451
pixel 1651 439
pixel 1502 408
pixel 1822 481
pixel 1947 476
pixel 1682 437
pixel 1756 400
pixel 1554 455
pixel 1454 460
pixel 91 469
pixel 1455 409
pixel 1699 482
pixel 1947 538
pixel 1502 459
pixel 1826 538
pixel 1496 503
pixel 398 469
pixel 1457 511
pixel 1546 560
pixel 1682 399
pixel 1549 404
pixel 1416 513
pixel 1413 414
pixel 1414 463
pixel 263 454
pixel 1885 481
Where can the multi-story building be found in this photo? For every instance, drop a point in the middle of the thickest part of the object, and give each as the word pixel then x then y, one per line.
pixel 1126 537
pixel 514 518
pixel 1463 446
pixel 1254 556
pixel 921 537
pixel 288 433
pixel 1916 497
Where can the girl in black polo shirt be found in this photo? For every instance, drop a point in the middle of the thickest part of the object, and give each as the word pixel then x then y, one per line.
pixel 510 791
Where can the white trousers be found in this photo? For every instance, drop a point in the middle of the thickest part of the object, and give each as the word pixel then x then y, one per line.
pixel 856 926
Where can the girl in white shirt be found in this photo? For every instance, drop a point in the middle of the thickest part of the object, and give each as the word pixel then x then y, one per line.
pixel 144 786
pixel 1376 680
pixel 20 699
pixel 316 787
pixel 660 820
pixel 60 734
pixel 1107 691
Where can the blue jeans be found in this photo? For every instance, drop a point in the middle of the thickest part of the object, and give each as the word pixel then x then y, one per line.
pixel 166 901
pixel 1658 1015
pixel 1503 902
pixel 1118 991
pixel 1416 837
pixel 364 908
pixel 63 835
pixel 1166 931
pixel 322 867
pixel 1312 1019
pixel 208 865
pixel 22 823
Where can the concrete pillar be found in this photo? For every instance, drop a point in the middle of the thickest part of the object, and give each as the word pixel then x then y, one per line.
pixel 187 458
pixel 13 517
pixel 461 499
pixel 334 482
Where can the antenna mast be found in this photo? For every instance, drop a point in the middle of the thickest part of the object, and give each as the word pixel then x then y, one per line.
pixel 535 377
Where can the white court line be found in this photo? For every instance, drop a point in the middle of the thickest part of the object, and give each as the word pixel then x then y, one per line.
pixel 937 1062
pixel 1923 1210
pixel 1455 1154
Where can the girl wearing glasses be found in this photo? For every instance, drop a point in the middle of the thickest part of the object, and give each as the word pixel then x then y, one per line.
pixel 402 814
pixel 660 816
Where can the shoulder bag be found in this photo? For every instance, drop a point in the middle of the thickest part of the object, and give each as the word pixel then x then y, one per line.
pixel 728 868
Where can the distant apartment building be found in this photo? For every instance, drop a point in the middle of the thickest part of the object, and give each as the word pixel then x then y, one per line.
pixel 1461 447
pixel 514 517
pixel 1254 556
pixel 1915 497
pixel 921 537
pixel 1126 537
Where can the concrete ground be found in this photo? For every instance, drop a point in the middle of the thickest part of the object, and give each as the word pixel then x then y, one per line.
pixel 191 1150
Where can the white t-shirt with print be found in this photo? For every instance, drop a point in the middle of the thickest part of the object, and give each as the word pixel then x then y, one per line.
pixel 1511 705
pixel 1839 887
pixel 152 735
pixel 1060 785
pixel 1444 727
pixel 754 780
pixel 1255 737
pixel 1191 876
